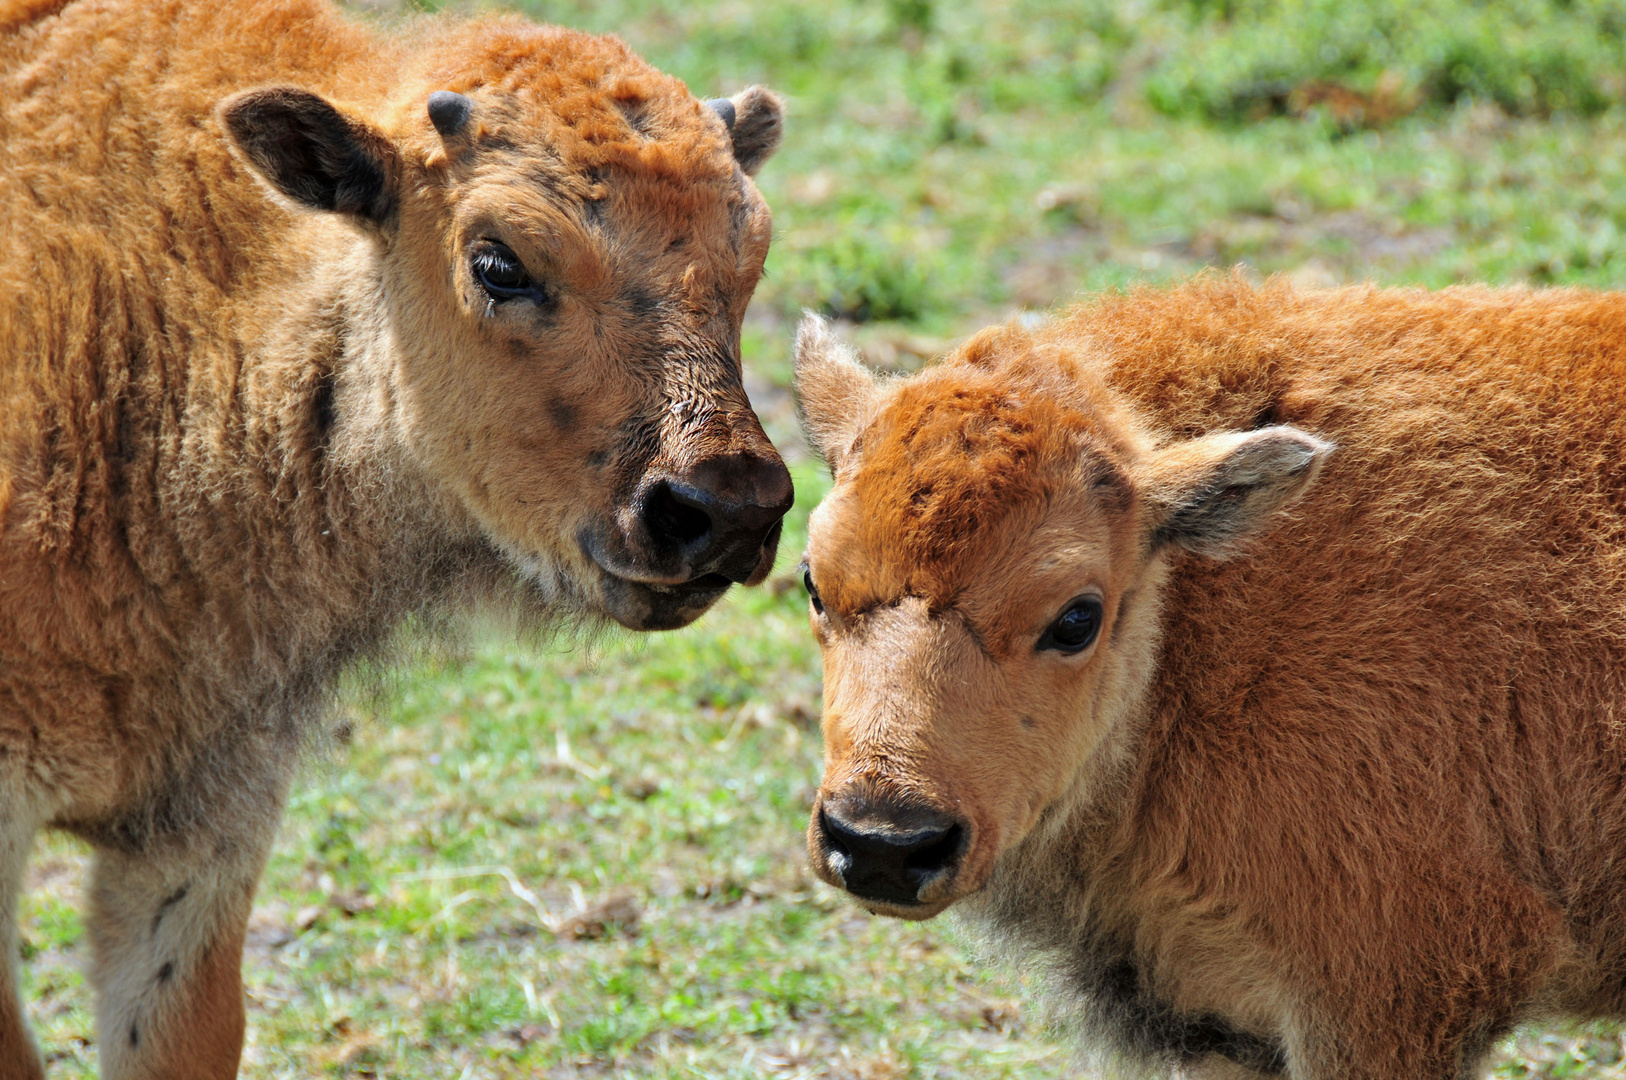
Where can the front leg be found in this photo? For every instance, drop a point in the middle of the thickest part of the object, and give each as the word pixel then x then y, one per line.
pixel 18 1058
pixel 167 930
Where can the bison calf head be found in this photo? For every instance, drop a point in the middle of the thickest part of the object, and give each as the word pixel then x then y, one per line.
pixel 984 581
pixel 546 250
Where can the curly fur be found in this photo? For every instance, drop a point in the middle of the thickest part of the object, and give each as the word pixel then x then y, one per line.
pixel 1346 803
pixel 256 412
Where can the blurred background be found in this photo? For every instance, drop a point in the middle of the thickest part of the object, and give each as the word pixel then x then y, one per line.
pixel 584 859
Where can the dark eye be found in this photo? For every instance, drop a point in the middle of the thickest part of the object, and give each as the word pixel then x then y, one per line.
pixel 812 593
pixel 503 276
pixel 1075 628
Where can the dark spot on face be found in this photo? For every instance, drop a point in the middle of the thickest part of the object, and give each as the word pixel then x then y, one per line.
pixel 1109 476
pixel 593 212
pixel 678 243
pixel 1027 722
pixel 135 1035
pixel 640 303
pixel 1110 487
pixel 166 971
pixel 598 459
pixel 563 414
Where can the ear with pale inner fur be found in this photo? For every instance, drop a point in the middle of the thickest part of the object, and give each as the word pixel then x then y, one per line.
pixel 758 124
pixel 1210 494
pixel 835 392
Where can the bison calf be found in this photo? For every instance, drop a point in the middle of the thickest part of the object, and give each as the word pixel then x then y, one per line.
pixel 306 331
pixel 1336 792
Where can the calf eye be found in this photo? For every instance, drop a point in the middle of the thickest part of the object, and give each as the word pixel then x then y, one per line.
pixel 812 593
pixel 503 276
pixel 1075 628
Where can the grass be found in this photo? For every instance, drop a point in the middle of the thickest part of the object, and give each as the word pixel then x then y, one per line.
pixel 586 861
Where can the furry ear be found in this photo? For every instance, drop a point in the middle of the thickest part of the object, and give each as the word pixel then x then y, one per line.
pixel 757 123
pixel 1209 494
pixel 833 390
pixel 311 152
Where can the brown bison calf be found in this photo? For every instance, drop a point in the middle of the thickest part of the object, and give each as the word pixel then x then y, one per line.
pixel 304 332
pixel 1333 793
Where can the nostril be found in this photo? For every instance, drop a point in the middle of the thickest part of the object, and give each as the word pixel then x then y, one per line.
pixel 890 856
pixel 836 853
pixel 937 854
pixel 676 515
pixel 832 834
pixel 774 531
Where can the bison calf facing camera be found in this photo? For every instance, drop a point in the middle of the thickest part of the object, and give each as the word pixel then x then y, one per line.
pixel 1250 659
pixel 309 331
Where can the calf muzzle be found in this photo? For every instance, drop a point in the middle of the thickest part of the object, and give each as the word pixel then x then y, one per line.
pixel 686 535
pixel 721 518
pixel 897 854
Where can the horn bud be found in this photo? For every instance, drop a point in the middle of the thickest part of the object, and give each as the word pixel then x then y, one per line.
pixel 724 108
pixel 449 112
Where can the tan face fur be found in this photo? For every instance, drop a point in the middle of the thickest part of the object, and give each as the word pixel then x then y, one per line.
pixel 975 505
pixel 592 420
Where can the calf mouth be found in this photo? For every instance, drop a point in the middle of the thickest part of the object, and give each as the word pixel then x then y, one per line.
pixel 641 605
pixel 656 597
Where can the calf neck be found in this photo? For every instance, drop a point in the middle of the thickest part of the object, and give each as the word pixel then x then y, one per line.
pixel 1255 659
pixel 306 331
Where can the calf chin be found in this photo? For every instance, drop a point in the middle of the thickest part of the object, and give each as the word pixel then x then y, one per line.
pixel 638 606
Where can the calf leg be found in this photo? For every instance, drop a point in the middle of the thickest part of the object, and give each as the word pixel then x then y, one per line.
pixel 167 928
pixel 1398 1042
pixel 18 1058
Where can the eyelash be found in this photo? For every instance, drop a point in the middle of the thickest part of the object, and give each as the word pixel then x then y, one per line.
pixel 497 260
pixel 812 593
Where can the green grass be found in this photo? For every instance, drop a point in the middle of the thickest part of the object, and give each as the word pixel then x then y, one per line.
pixel 586 861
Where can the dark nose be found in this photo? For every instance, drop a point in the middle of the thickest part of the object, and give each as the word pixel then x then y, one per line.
pixel 723 517
pixel 887 851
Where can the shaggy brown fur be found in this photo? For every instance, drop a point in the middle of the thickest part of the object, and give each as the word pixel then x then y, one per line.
pixel 1335 793
pixel 285 360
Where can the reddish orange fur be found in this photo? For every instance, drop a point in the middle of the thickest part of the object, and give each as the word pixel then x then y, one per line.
pixel 244 433
pixel 1355 794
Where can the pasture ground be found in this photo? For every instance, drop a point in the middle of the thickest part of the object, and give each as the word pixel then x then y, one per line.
pixel 584 859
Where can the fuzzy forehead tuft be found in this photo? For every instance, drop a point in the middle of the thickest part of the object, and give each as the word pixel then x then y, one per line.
pixel 589 99
pixel 963 458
